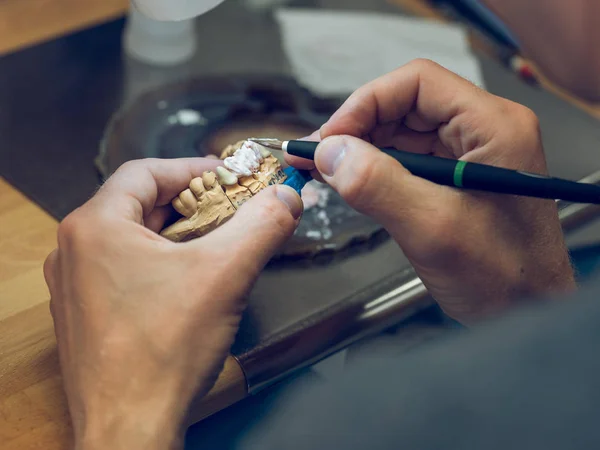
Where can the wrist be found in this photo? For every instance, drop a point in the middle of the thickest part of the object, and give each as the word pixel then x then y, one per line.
pixel 125 427
pixel 130 436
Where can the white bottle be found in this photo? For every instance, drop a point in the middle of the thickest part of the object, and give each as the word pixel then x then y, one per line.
pixel 161 32
pixel 175 10
pixel 264 5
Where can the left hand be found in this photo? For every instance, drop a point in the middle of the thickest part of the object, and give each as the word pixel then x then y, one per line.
pixel 143 324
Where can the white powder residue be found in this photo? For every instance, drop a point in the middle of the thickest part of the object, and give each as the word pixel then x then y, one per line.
pixel 313 234
pixel 315 196
pixel 322 215
pixel 310 195
pixel 187 117
pixel 323 221
pixel 245 161
pixel 323 198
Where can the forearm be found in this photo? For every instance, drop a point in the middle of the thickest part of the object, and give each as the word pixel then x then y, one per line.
pixel 560 37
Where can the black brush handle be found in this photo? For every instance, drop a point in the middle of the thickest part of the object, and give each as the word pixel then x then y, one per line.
pixel 303 149
pixel 467 175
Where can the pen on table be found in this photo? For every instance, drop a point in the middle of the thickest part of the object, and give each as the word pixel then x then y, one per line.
pixel 490 25
pixel 466 175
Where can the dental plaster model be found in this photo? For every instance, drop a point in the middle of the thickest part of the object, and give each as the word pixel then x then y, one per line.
pixel 212 199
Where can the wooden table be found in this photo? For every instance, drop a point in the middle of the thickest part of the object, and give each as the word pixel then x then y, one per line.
pixel 28 22
pixel 32 404
pixel 33 412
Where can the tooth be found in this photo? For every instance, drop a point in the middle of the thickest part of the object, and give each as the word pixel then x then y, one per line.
pixel 178 205
pixel 187 203
pixel 187 198
pixel 231 149
pixel 226 178
pixel 264 152
pixel 208 179
pixel 197 187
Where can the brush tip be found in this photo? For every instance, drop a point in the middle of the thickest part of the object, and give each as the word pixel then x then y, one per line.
pixel 268 142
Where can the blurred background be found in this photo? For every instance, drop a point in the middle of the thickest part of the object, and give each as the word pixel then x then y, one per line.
pixel 86 86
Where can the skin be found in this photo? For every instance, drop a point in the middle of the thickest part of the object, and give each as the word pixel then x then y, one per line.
pixel 561 37
pixel 143 324
pixel 477 253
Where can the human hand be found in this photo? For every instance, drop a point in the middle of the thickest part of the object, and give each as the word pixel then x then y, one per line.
pixel 144 324
pixel 477 253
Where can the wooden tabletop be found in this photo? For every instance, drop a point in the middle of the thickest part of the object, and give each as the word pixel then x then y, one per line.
pixel 33 411
pixel 27 22
pixel 32 404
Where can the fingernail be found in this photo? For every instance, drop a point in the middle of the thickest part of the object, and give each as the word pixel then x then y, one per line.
pixel 315 136
pixel 291 199
pixel 329 155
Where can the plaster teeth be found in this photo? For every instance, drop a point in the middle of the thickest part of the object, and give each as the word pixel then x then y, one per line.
pixel 178 205
pixel 197 187
pixel 208 179
pixel 212 199
pixel 226 178
pixel 264 152
pixel 188 198
pixel 185 203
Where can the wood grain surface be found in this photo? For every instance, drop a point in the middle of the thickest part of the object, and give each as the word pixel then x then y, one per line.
pixel 33 411
pixel 422 9
pixel 28 22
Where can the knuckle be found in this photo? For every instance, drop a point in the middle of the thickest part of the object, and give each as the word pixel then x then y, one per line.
pixel 49 267
pixel 520 114
pixel 423 65
pixel 129 168
pixel 530 118
pixel 524 116
pixel 134 164
pixel 74 230
pixel 524 137
pixel 68 229
pixel 52 308
pixel 531 128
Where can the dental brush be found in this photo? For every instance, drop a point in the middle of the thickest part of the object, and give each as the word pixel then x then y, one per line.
pixel 466 175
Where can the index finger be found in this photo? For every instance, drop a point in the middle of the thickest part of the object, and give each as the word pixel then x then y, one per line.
pixel 137 187
pixel 434 93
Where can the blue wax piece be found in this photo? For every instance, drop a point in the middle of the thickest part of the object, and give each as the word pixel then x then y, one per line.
pixel 296 179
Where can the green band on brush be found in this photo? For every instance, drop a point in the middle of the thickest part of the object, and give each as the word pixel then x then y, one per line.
pixel 459 170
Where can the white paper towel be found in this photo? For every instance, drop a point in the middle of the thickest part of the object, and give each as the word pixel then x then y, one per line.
pixel 334 53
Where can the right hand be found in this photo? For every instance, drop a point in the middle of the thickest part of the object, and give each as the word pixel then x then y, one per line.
pixel 477 253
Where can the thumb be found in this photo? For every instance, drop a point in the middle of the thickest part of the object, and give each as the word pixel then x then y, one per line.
pixel 372 182
pixel 260 227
